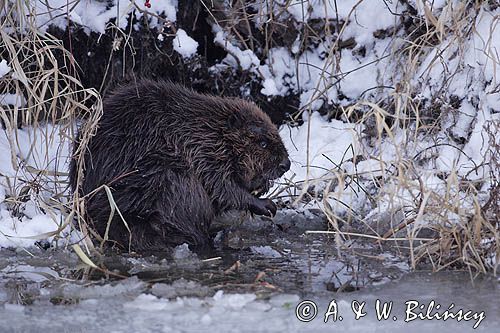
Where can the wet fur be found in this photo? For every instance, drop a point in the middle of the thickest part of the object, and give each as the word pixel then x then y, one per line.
pixel 174 160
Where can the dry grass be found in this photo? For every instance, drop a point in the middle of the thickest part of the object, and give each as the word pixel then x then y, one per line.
pixel 450 226
pixel 44 78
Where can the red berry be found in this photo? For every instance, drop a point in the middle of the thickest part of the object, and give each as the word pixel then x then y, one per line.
pixel 147 4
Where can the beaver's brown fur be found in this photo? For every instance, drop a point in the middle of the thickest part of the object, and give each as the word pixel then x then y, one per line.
pixel 174 160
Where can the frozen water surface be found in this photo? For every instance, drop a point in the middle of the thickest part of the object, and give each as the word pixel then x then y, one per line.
pixel 253 282
pixel 130 306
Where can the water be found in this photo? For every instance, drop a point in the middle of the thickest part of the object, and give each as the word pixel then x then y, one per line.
pixel 253 282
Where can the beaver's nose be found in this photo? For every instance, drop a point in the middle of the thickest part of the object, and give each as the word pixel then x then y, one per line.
pixel 284 165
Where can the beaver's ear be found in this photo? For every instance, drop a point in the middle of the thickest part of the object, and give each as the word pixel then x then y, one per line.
pixel 234 121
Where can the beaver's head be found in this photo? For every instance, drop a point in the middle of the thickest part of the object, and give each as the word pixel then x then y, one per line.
pixel 259 155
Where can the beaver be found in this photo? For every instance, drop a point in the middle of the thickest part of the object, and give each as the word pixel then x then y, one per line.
pixel 175 159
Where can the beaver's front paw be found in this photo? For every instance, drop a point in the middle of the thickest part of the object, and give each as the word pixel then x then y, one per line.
pixel 264 207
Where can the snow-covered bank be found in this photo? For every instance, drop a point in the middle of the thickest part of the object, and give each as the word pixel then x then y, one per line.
pixel 33 175
pixel 96 15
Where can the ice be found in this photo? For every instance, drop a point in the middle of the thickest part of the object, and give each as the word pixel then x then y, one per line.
pixel 30 273
pixel 178 288
pixel 183 252
pixel 265 251
pixel 147 303
pixel 13 307
pixel 232 301
pixel 142 312
pixel 125 287
pixel 284 300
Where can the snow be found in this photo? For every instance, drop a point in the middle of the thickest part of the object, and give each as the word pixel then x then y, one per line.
pixel 184 45
pixel 46 148
pixel 95 15
pixel 330 144
pixel 16 232
pixel 328 148
pixel 246 59
pixel 317 77
pixel 12 99
pixel 314 73
pixel 278 68
pixel 479 148
pixel 4 68
pixel 367 16
pixel 322 150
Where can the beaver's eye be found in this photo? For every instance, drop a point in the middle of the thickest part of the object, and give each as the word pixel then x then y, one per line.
pixel 263 144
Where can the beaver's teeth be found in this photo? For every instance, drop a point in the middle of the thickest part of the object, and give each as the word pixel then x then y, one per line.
pixel 255 192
